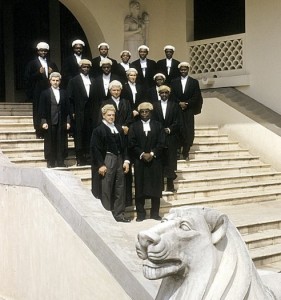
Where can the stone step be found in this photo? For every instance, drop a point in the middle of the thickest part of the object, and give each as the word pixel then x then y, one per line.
pixel 17 134
pixel 197 154
pixel 212 130
pixel 223 145
pixel 39 161
pixel 218 161
pixel 266 255
pixel 205 138
pixel 27 143
pixel 221 199
pixel 224 170
pixel 15 105
pixel 219 180
pixel 16 119
pixel 16 112
pixel 231 188
pixel 16 127
pixel 262 238
pixel 17 153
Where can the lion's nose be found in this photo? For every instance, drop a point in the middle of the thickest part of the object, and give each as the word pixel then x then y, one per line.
pixel 148 237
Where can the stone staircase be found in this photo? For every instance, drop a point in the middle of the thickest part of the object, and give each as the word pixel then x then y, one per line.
pixel 219 174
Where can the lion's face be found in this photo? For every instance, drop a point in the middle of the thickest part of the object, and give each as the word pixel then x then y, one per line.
pixel 174 246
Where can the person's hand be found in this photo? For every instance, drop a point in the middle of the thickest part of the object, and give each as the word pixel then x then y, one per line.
pixel 126 167
pixel 167 130
pixel 102 170
pixel 45 126
pixel 125 129
pixel 50 70
pixel 42 70
pixel 68 126
pixel 183 105
pixel 147 157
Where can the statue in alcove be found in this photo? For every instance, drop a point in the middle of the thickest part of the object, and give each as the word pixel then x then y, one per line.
pixel 135 29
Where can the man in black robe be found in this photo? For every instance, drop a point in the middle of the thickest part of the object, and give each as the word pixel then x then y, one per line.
pixel 70 66
pixel 85 110
pixel 102 81
pixel 96 66
pixel 146 67
pixel 167 112
pixel 36 79
pixel 110 163
pixel 146 143
pixel 124 118
pixel 168 66
pixel 186 92
pixel 54 112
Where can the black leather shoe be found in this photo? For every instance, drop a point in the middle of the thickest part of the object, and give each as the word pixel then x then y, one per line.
pixel 122 219
pixel 139 219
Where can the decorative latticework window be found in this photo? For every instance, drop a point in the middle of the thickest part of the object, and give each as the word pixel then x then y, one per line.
pixel 216 55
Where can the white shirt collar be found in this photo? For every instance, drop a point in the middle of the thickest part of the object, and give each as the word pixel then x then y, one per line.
pixel 112 127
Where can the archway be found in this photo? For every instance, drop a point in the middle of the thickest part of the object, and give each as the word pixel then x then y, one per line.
pixel 24 23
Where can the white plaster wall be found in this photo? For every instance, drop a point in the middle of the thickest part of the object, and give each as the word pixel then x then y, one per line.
pixel 40 255
pixel 104 21
pixel 250 134
pixel 262 52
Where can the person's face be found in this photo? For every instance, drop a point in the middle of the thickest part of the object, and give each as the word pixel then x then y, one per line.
pixel 145 114
pixel 169 53
pixel 143 53
pixel 115 91
pixel 103 51
pixel 135 8
pixel 125 57
pixel 42 52
pixel 78 49
pixel 55 82
pixel 85 69
pixel 184 71
pixel 132 77
pixel 164 95
pixel 109 116
pixel 159 80
pixel 106 69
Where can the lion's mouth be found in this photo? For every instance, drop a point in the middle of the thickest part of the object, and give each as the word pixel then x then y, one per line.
pixel 156 270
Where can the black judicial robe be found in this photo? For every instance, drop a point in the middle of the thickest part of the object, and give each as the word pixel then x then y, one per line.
pixel 148 175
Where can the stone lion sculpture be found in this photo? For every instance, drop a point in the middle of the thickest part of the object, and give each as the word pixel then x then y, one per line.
pixel 200 255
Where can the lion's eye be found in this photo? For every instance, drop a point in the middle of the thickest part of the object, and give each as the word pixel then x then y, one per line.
pixel 185 226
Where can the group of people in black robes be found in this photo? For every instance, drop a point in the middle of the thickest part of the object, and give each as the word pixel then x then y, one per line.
pixel 121 115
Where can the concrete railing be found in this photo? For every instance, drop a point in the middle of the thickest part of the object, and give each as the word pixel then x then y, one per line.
pixel 219 62
pixel 58 242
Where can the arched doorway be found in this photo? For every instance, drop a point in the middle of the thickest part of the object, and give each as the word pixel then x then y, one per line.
pixel 22 25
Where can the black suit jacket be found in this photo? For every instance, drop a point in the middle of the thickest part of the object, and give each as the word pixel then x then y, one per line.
pixel 35 81
pixel 99 88
pixel 127 94
pixel 122 73
pixel 152 95
pixel 146 81
pixel 96 69
pixel 69 69
pixel 86 110
pixel 123 114
pixel 191 95
pixel 174 71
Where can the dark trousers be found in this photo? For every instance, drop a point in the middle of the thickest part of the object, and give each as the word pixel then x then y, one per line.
pixel 113 185
pixel 155 206
pixel 57 146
